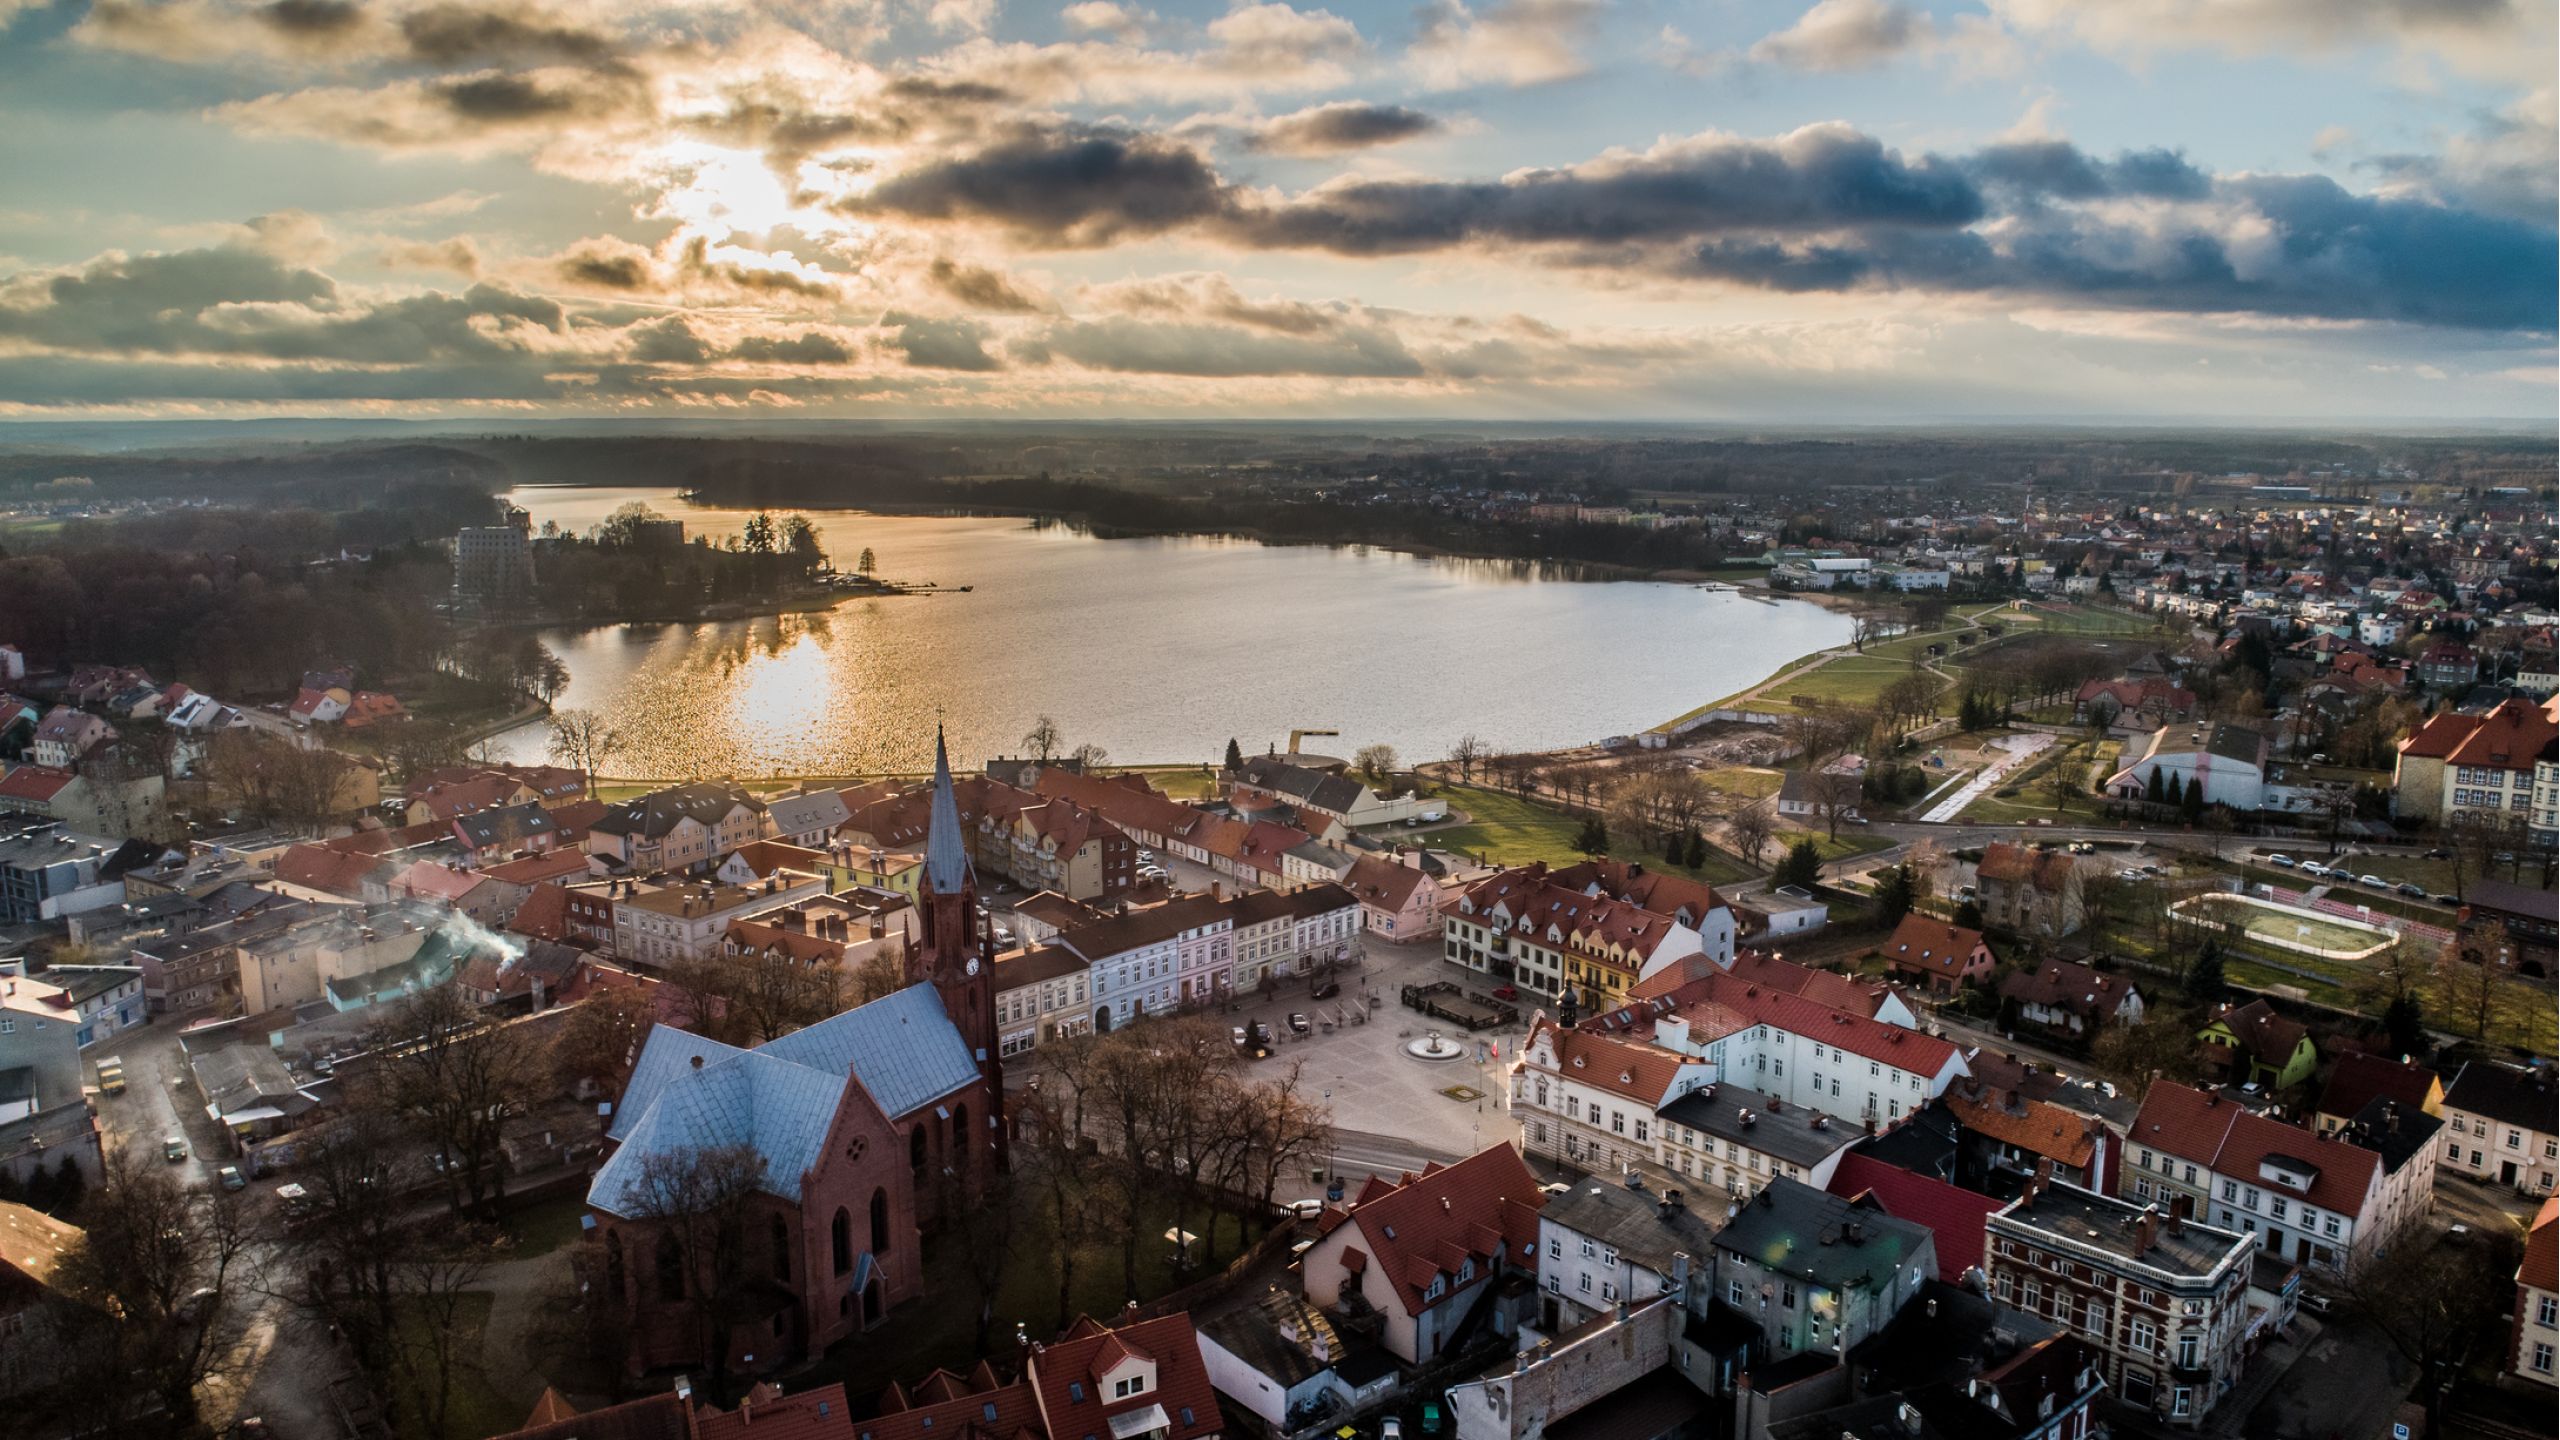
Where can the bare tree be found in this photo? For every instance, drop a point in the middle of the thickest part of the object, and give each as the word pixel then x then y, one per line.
pixel 1090 758
pixel 1043 739
pixel 583 740
pixel 1465 754
pixel 157 1282
pixel 1751 826
pixel 761 994
pixel 696 1204
pixel 2440 1307
pixel 460 1077
pixel 1375 761
pixel 600 1038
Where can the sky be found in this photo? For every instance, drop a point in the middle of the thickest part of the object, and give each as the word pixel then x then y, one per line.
pixel 1862 211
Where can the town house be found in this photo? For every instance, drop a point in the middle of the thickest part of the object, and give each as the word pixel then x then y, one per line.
pixel 676 924
pixel 2500 1125
pixel 1797 1050
pixel 2304 1199
pixel 2029 890
pixel 2161 1298
pixel 1523 926
pixel 1154 959
pixel 1401 901
pixel 1601 1244
pixel 1943 958
pixel 1040 997
pixel 1816 1273
pixel 1421 1256
pixel 1591 1099
pixel 2073 1000
pixel 675 829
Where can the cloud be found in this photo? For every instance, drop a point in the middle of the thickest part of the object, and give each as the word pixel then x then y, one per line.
pixel 2506 164
pixel 2284 246
pixel 457 254
pixel 810 347
pixel 1251 49
pixel 1124 23
pixel 235 300
pixel 982 288
pixel 1064 187
pixel 1510 42
pixel 1339 126
pixel 1187 348
pixel 941 343
pixel 608 262
pixel 2059 169
pixel 1846 35
pixel 453 35
pixel 461 112
pixel 1818 178
pixel 668 341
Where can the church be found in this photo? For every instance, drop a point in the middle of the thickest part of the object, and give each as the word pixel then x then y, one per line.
pixel 865 1123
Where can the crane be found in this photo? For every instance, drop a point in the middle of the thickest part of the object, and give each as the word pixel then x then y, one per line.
pixel 1297 735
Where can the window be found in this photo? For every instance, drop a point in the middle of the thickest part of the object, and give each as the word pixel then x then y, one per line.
pixel 2546 1312
pixel 2542 1356
pixel 1586 1282
pixel 2143 1336
pixel 1123 1389
pixel 1588 1249
pixel 1555 1249
pixel 840 1237
pixel 2230 1190
pixel 2276 1207
pixel 2180 1399
pixel 2329 1227
pixel 1787 1295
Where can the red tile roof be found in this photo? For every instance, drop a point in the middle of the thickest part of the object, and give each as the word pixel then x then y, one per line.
pixel 1485 1206
pixel 544 914
pixel 1383 884
pixel 1955 1216
pixel 1720 1004
pixel 2506 738
pixel 2038 1127
pixel 534 869
pixel 2358 1079
pixel 1641 1071
pixel 1933 946
pixel 2541 1268
pixel 1823 987
pixel 316 867
pixel 2047 870
pixel 2229 1139
pixel 35 784
pixel 818 1414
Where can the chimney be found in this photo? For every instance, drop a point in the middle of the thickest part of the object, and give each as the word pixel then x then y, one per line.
pixel 2146 1230
pixel 1669 1206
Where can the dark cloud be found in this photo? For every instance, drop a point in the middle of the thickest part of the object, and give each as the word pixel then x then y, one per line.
pixel 235 301
pixel 610 263
pixel 670 341
pixel 506 99
pixel 1343 125
pixel 981 288
pixel 1824 178
pixel 1070 187
pixel 454 34
pixel 950 343
pixel 810 347
pixel 317 19
pixel 2332 255
pixel 2062 170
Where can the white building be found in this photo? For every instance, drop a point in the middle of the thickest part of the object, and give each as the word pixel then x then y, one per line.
pixel 2230 761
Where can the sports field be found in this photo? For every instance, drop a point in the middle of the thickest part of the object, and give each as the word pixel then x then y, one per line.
pixel 2285 928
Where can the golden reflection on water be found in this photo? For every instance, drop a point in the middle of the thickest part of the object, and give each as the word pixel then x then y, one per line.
pixel 1157 649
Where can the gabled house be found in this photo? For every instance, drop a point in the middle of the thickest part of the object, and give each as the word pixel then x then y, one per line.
pixel 1400 901
pixel 2071 999
pixel 1592 1100
pixel 2501 1125
pixel 1423 1257
pixel 2535 1356
pixel 1938 956
pixel 1145 1380
pixel 66 735
pixel 2305 1199
pixel 2030 890
pixel 2358 1079
pixel 2252 1045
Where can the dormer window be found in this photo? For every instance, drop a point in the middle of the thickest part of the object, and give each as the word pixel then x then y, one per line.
pixel 1127 1386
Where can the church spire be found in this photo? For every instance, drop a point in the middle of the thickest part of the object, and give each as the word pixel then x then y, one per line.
pixel 946 850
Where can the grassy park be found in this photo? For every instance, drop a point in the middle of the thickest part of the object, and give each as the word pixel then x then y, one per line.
pixel 1508 830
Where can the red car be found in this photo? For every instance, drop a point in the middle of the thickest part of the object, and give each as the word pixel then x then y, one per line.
pixel 1505 992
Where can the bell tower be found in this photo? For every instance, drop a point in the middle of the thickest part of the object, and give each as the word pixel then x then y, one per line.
pixel 956 952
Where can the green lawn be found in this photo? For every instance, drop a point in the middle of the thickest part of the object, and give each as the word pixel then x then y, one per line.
pixel 1183 782
pixel 1852 840
pixel 1852 682
pixel 1507 830
pixel 1743 782
pixel 545 1226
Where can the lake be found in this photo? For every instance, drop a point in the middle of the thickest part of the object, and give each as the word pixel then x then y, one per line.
pixel 1158 650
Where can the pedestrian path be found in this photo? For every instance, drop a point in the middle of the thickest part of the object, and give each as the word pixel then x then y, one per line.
pixel 2021 748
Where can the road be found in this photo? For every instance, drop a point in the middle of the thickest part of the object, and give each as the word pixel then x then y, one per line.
pixel 282 1375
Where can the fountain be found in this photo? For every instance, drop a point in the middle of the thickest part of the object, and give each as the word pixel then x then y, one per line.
pixel 1434 1047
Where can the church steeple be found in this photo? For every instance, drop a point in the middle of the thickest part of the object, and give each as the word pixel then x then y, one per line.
pixel 955 952
pixel 946 850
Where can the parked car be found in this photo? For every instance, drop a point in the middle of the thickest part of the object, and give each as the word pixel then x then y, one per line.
pixel 2317 1303
pixel 1325 990
pixel 2446 899
pixel 1506 992
pixel 2414 892
pixel 231 1178
pixel 1299 1023
pixel 1856 820
pixel 173 1149
pixel 2128 873
pixel 1391 1428
pixel 2439 853
pixel 111 1075
pixel 2314 867
pixel 2281 862
pixel 1241 1038
pixel 1307 1209
pixel 1146 857
pixel 2376 881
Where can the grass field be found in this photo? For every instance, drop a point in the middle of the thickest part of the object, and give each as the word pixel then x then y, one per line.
pixel 475 1408
pixel 1743 782
pixel 2279 927
pixel 1507 830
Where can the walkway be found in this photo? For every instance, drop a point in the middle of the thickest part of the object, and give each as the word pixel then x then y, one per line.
pixel 2021 748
